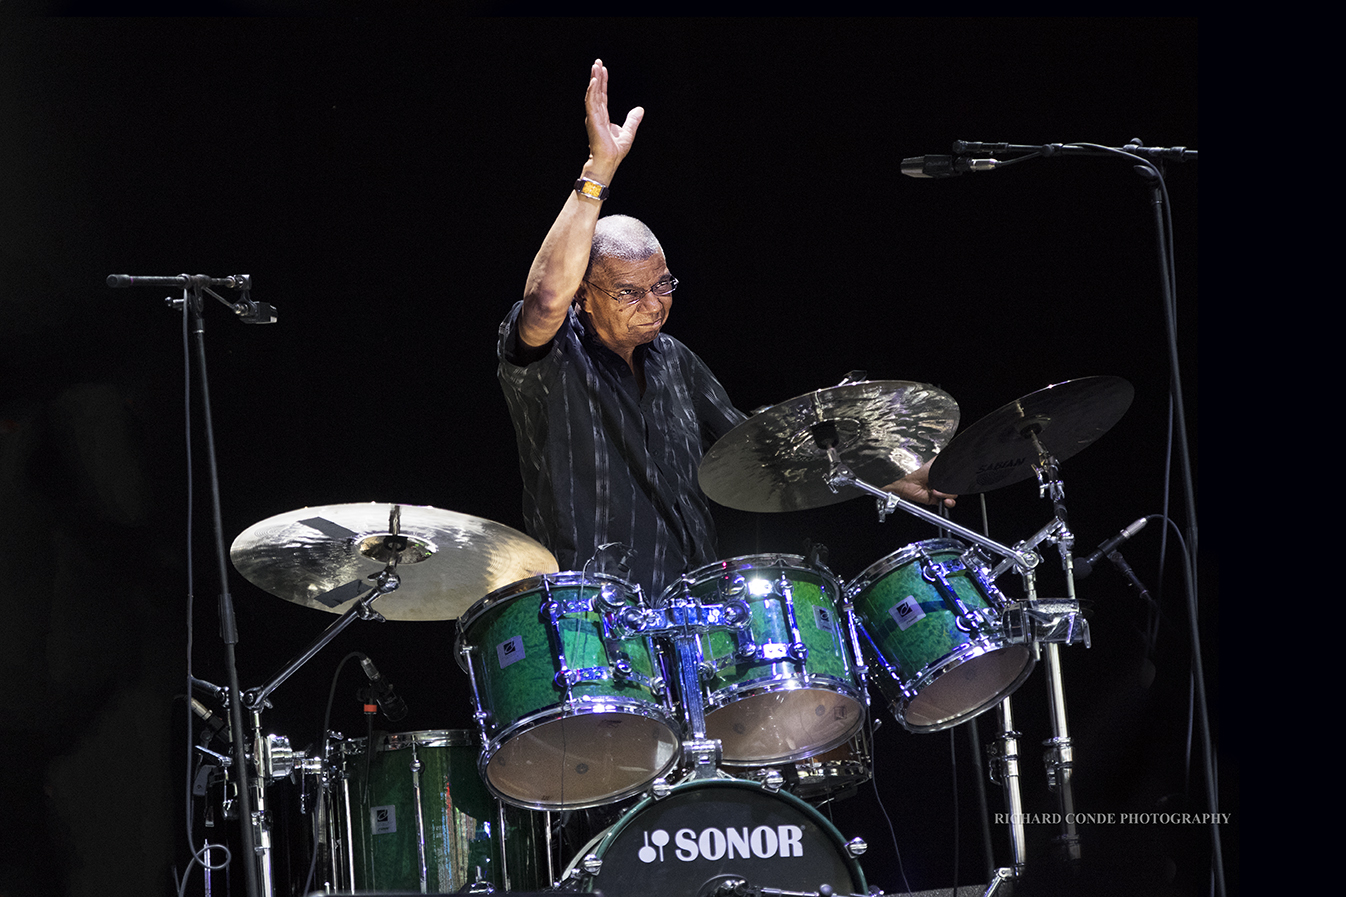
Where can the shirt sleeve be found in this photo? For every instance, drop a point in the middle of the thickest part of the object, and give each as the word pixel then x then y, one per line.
pixel 511 348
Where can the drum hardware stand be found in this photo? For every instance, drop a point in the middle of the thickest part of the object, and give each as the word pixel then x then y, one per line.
pixel 825 435
pixel 1003 761
pixel 271 753
pixel 416 767
pixel 192 306
pixel 385 581
pixel 683 619
pixel 1048 624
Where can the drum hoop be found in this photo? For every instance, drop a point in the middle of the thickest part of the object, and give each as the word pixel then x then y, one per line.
pixel 494 745
pixel 712 571
pixel 750 689
pixel 555 712
pixel 605 839
pixel 427 738
pixel 900 558
pixel 931 673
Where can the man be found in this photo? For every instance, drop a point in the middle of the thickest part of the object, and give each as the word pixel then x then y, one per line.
pixel 612 415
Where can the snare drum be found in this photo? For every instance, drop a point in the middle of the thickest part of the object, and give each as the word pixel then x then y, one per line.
pixel 784 687
pixel 717 832
pixel 412 814
pixel 929 619
pixel 573 707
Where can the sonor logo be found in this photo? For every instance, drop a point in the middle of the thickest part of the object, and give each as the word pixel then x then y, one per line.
pixel 763 842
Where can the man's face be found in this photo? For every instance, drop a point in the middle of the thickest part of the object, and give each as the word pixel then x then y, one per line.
pixel 618 326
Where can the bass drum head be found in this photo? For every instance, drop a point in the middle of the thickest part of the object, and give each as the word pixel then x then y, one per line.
pixel 707 834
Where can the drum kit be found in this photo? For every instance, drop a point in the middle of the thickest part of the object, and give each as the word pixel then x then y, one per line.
pixel 725 710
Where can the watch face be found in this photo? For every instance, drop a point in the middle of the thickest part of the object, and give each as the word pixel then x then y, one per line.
pixel 592 189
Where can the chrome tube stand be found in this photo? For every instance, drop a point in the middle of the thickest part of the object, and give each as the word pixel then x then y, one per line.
pixel 841 475
pixel 385 582
pixel 1059 757
pixel 682 619
pixel 1004 770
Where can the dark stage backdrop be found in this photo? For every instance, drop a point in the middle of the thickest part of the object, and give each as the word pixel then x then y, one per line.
pixel 387 182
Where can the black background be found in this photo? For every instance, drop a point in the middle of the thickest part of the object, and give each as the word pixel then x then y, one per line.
pixel 387 181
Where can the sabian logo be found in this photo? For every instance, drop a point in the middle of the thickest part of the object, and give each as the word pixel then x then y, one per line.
pixel 763 842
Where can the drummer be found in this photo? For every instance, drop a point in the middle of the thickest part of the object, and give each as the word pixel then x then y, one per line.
pixel 612 414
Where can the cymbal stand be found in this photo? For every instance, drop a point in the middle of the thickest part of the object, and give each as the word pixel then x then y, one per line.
pixel 840 474
pixel 1054 622
pixel 385 581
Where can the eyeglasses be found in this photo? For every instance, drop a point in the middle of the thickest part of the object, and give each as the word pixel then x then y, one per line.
pixel 632 296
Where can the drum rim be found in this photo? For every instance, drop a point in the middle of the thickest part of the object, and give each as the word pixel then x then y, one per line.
pixel 521 589
pixel 608 836
pixel 855 694
pixel 430 738
pixel 932 672
pixel 900 558
pixel 739 563
pixel 548 714
pixel 526 586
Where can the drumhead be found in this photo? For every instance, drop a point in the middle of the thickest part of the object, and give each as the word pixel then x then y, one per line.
pixel 707 833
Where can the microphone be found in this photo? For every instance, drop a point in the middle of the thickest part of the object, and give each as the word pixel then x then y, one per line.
pixel 392 706
pixel 944 166
pixel 1084 567
pixel 215 724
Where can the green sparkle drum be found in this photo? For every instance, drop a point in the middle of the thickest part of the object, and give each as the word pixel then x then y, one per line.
pixel 930 622
pixel 785 686
pixel 573 706
pixel 706 836
pixel 412 814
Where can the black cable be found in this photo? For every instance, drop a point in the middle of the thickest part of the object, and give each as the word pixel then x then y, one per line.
pixel 874 780
pixel 198 856
pixel 953 771
pixel 323 739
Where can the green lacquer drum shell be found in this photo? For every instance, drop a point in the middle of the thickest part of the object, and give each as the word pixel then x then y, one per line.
pixel 601 734
pixel 766 701
pixel 935 670
pixel 415 811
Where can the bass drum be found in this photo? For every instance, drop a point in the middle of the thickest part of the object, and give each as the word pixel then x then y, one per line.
pixel 706 834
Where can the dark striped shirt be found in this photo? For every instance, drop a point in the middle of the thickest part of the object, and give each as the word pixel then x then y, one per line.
pixel 601 463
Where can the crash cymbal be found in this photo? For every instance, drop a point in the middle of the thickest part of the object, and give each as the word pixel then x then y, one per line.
pixel 884 429
pixel 323 558
pixel 999 450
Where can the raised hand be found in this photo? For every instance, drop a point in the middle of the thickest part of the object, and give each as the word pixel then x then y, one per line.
pixel 608 143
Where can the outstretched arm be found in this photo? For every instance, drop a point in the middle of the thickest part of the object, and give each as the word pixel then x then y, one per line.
pixel 915 486
pixel 558 269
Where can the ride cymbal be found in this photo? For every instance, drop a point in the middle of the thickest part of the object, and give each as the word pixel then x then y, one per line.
pixel 883 429
pixel 999 449
pixel 325 558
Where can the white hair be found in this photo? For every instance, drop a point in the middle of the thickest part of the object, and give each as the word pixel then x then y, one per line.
pixel 622 237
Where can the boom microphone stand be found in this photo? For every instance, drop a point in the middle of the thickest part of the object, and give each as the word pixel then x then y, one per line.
pixel 192 304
